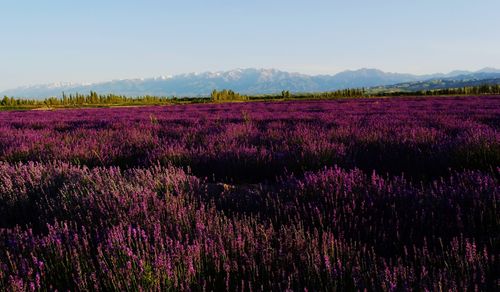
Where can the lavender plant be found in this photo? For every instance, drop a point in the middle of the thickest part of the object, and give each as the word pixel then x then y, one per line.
pixel 379 194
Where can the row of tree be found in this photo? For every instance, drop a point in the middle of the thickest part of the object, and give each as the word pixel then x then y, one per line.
pixel 94 98
pixel 228 95
pixel 343 93
pixel 10 101
pixel 467 90
pixel 87 99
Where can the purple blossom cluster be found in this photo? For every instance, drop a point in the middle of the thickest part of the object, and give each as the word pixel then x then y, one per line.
pixel 381 194
pixel 251 142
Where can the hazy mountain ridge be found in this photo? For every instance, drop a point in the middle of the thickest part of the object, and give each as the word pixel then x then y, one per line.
pixel 479 78
pixel 247 81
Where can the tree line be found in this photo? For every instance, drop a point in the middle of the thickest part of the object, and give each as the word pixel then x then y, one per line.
pixel 93 98
pixel 226 94
pixel 466 90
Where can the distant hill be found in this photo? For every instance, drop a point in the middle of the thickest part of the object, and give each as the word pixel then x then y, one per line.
pixel 464 80
pixel 255 81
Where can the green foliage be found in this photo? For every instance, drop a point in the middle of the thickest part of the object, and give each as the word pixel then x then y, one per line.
pixel 343 93
pixel 285 94
pixel 466 90
pixel 95 99
pixel 91 99
pixel 226 95
pixel 5 100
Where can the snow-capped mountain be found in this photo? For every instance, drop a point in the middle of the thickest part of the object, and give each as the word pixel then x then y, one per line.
pixel 246 81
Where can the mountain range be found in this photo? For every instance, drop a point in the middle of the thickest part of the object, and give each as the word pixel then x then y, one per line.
pixel 260 81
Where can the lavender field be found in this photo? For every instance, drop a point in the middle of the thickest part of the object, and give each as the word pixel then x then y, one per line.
pixel 377 194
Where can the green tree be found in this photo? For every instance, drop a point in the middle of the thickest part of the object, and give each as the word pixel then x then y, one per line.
pixel 5 101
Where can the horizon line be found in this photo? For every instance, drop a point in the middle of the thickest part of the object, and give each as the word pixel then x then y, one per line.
pixel 168 76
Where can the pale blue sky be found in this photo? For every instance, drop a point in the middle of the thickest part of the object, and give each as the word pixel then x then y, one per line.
pixel 89 41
